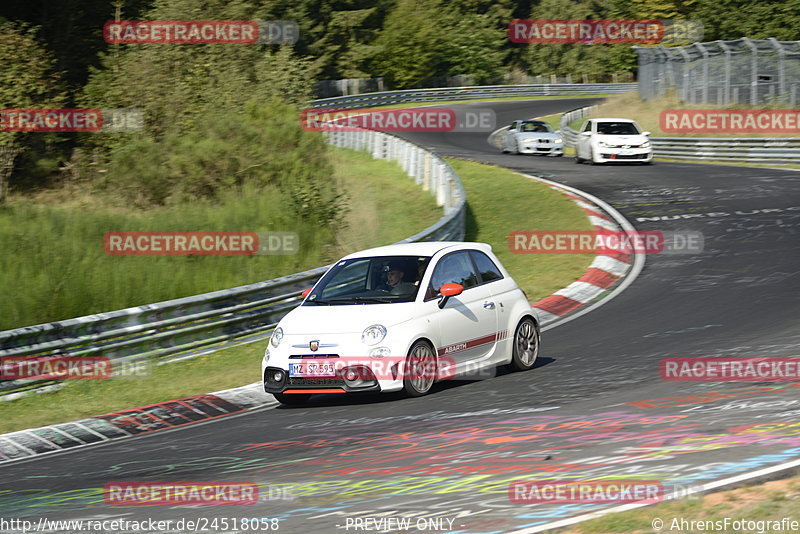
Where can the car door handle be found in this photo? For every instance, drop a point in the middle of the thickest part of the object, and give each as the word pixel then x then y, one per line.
pixel 488 305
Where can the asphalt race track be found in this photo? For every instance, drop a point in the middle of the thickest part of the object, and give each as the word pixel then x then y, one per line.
pixel 595 405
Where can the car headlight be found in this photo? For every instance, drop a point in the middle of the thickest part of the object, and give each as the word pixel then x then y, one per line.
pixel 528 139
pixel 276 337
pixel 372 335
pixel 601 144
pixel 646 144
pixel 558 141
pixel 266 354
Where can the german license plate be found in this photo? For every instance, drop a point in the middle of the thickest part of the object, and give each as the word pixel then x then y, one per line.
pixel 315 369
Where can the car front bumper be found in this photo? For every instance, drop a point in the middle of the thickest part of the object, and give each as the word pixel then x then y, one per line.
pixel 555 149
pixel 374 373
pixel 631 154
pixel 309 385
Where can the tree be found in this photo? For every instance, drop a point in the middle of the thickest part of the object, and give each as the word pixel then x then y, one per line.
pixel 27 80
pixel 411 43
pixel 577 58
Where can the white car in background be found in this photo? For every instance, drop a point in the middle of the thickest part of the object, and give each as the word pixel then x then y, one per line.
pixel 401 317
pixel 533 137
pixel 611 140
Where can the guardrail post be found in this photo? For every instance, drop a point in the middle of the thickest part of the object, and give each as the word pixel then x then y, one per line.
pixel 441 182
pixel 427 172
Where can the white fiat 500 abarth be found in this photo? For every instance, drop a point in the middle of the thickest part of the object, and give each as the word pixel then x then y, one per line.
pixel 401 317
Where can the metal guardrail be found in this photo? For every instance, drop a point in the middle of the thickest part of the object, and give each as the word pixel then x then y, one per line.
pixel 776 150
pixel 469 93
pixel 180 327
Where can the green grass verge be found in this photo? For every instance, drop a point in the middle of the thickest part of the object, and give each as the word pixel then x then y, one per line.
pixel 770 501
pixel 230 368
pixel 55 266
pixel 500 202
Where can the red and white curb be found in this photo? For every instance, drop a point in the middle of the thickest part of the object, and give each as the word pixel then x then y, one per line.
pixel 606 277
pixel 134 422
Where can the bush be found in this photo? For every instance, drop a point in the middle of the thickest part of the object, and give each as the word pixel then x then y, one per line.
pixel 261 146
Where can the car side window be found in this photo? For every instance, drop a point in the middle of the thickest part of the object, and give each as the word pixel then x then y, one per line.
pixel 486 267
pixel 455 267
pixel 588 126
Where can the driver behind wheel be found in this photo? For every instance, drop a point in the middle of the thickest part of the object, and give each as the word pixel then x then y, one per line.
pixel 394 281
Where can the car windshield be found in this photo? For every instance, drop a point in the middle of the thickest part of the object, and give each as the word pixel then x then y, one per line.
pixel 373 280
pixel 617 128
pixel 537 127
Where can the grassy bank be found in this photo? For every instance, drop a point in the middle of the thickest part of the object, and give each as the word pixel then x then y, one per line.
pixel 55 266
pixel 771 501
pixel 500 202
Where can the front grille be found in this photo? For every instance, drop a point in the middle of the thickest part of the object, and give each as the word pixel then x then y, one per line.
pixel 545 140
pixel 316 382
pixel 627 156
pixel 300 356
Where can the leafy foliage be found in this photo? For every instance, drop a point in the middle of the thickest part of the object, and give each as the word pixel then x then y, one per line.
pixel 260 147
pixel 27 80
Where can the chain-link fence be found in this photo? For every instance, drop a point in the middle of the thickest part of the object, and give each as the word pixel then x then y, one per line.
pixel 723 73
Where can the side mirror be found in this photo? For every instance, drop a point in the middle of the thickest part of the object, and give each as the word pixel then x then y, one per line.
pixel 645 133
pixel 305 292
pixel 449 290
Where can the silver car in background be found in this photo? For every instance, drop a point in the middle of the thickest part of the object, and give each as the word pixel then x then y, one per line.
pixel 533 137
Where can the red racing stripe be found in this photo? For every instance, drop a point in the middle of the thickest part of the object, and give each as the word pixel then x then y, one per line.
pixel 472 343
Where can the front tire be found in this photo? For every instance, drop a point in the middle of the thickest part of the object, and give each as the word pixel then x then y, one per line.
pixel 292 399
pixel 526 345
pixel 420 370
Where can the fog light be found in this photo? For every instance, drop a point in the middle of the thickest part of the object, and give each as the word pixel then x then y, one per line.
pixel 359 376
pixel 277 376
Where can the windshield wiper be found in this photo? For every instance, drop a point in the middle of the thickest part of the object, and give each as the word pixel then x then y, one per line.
pixel 320 301
pixel 355 299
